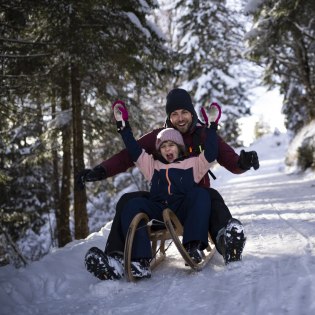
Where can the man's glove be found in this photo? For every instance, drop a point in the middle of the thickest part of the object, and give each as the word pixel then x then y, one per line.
pixel 248 160
pixel 90 175
pixel 120 114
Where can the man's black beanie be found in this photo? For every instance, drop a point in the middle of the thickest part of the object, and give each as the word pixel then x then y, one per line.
pixel 179 99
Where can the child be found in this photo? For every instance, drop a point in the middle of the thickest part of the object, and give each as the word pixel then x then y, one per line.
pixel 174 180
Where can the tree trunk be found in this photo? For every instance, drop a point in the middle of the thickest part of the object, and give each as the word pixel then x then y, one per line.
pixel 64 235
pixel 80 212
pixel 55 180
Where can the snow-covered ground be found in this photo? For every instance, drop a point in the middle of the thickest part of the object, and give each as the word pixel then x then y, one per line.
pixel 276 276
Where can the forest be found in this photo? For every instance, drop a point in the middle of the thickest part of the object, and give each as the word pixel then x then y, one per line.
pixel 64 62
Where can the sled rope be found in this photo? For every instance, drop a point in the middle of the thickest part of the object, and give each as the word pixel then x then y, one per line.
pixel 159 250
pixel 151 223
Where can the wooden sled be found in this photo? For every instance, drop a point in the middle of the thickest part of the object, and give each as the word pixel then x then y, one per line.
pixel 173 231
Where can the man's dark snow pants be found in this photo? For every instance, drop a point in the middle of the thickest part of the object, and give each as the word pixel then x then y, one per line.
pixel 219 216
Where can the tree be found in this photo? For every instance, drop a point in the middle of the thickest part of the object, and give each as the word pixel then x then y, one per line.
pixel 104 36
pixel 282 40
pixel 209 39
pixel 69 57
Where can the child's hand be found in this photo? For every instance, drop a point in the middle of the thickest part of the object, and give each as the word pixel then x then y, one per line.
pixel 213 115
pixel 120 111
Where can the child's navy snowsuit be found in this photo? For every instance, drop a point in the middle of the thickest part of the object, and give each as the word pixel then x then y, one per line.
pixel 193 213
pixel 174 186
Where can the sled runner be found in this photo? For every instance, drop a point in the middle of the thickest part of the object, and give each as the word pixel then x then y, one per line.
pixel 173 231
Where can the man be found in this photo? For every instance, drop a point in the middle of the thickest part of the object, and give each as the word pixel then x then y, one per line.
pixel 226 232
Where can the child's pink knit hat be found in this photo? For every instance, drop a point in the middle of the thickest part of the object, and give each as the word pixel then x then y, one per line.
pixel 169 134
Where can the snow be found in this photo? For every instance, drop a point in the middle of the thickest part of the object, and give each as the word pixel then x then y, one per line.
pixel 134 19
pixel 276 276
pixel 62 119
pixel 253 5
pixel 306 134
pixel 265 110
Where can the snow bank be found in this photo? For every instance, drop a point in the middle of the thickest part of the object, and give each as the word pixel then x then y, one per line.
pixel 304 138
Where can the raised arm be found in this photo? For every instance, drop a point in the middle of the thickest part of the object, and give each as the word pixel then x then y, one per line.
pixel 139 156
pixel 211 143
pixel 123 127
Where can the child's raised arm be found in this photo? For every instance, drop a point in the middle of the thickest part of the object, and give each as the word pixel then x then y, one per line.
pixel 123 127
pixel 211 144
pixel 142 159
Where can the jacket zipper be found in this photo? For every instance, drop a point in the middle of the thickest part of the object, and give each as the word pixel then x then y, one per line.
pixel 169 182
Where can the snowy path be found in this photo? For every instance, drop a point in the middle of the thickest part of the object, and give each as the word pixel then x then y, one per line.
pixel 276 276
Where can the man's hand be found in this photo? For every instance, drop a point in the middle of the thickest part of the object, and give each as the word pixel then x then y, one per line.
pixel 248 160
pixel 90 175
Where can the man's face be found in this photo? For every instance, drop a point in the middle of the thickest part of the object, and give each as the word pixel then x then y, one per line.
pixel 181 119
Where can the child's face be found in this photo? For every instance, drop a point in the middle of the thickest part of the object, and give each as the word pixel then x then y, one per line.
pixel 169 150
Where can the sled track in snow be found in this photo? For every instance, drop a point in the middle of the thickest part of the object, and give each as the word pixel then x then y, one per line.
pixel 291 225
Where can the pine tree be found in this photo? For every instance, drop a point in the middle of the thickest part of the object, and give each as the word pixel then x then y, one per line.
pixel 210 44
pixel 61 57
pixel 282 40
pixel 25 165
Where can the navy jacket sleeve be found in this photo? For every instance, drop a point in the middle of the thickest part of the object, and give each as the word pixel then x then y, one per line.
pixel 131 144
pixel 211 145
